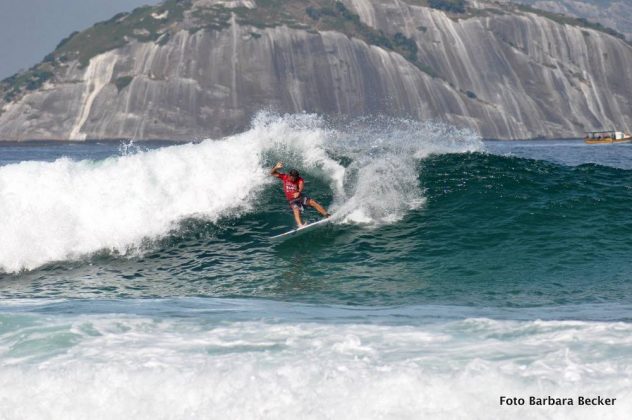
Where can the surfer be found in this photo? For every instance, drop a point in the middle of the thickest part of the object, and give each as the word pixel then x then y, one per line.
pixel 293 187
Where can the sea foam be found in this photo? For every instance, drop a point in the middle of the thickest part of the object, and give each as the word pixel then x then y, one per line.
pixel 65 209
pixel 120 366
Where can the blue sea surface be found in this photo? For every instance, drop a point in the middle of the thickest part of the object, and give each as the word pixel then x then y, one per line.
pixel 456 272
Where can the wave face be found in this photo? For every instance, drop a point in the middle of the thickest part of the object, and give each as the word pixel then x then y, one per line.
pixel 54 211
pixel 455 271
pixel 423 214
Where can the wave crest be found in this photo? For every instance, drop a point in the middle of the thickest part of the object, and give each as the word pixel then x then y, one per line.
pixel 65 209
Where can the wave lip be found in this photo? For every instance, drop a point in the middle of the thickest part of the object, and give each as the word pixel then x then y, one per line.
pixel 65 209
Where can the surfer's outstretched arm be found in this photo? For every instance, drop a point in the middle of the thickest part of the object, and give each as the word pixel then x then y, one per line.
pixel 275 169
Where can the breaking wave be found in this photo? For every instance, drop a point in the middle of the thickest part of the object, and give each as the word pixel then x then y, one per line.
pixel 66 209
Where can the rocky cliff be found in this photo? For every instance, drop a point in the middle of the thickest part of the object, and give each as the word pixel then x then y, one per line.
pixel 200 68
pixel 615 14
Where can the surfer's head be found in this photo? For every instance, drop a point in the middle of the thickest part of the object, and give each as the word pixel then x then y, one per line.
pixel 293 174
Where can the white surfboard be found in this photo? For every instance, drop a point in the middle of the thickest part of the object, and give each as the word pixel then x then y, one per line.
pixel 299 231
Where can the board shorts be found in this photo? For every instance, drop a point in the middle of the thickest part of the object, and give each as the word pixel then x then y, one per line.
pixel 299 203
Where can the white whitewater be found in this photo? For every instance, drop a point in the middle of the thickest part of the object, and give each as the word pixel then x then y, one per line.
pixel 117 366
pixel 67 209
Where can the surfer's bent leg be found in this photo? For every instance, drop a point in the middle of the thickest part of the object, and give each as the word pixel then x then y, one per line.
pixel 320 209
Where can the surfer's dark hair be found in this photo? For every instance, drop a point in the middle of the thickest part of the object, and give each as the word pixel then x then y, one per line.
pixel 293 172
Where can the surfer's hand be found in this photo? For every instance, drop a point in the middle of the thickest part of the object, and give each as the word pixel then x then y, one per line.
pixel 297 194
pixel 278 165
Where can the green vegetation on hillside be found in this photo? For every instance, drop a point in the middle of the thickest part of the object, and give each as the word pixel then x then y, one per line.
pixel 454 6
pixel 122 82
pixel 451 6
pixel 33 79
pixel 142 24
pixel 214 18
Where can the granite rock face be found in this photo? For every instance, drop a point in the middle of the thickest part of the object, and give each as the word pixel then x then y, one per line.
pixel 205 68
pixel 616 14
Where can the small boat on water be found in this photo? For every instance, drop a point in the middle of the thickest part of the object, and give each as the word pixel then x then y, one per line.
pixel 607 137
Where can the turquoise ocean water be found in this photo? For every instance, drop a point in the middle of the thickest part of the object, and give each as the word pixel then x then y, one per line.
pixel 138 281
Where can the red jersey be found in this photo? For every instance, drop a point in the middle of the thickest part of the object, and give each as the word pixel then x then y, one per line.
pixel 290 187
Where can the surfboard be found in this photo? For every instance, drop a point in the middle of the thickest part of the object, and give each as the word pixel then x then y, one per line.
pixel 299 231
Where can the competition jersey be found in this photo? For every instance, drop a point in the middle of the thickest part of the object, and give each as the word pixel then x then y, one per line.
pixel 289 187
